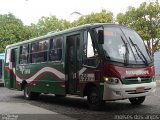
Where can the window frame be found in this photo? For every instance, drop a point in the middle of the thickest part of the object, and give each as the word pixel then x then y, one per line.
pixel 20 53
pixel 87 59
pixel 60 37
pixel 44 52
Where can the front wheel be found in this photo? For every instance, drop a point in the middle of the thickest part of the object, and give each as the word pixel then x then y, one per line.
pixel 30 95
pixel 137 100
pixel 94 100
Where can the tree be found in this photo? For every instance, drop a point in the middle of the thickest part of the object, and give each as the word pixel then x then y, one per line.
pixel 53 24
pixel 31 31
pixel 101 17
pixel 48 24
pixel 11 30
pixel 146 21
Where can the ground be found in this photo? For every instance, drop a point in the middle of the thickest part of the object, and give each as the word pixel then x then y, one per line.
pixel 49 106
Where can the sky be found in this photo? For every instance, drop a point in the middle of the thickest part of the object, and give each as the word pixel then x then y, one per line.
pixel 29 11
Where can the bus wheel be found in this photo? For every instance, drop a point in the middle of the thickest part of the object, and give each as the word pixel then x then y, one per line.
pixel 30 95
pixel 137 100
pixel 95 103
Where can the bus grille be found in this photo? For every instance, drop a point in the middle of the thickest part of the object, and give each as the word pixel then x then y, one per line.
pixel 136 80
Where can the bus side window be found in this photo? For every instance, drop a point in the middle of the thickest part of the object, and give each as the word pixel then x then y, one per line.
pixel 34 51
pixel 89 51
pixel 55 52
pixel 23 54
pixel 39 51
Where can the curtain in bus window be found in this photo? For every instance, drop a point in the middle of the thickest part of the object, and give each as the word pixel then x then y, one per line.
pixel 55 53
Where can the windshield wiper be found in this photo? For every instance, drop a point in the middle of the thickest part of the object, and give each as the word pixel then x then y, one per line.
pixel 138 50
pixel 126 56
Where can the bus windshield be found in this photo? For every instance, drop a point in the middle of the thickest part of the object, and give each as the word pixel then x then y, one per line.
pixel 124 45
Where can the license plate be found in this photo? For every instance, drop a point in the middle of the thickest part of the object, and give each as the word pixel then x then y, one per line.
pixel 140 89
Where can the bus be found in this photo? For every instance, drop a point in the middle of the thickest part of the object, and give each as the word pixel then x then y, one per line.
pixel 2 56
pixel 101 62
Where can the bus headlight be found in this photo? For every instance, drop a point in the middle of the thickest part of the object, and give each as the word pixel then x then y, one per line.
pixel 112 80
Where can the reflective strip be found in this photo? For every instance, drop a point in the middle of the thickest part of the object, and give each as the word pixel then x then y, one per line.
pixel 45 69
pixel 82 71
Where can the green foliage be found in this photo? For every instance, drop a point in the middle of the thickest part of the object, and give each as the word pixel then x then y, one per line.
pixel 101 17
pixel 11 30
pixel 31 31
pixel 48 24
pixel 146 20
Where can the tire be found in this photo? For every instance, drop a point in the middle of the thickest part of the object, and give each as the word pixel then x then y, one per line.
pixel 94 100
pixel 137 100
pixel 30 95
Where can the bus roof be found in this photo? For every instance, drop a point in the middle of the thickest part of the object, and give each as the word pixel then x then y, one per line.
pixel 50 34
pixel 2 56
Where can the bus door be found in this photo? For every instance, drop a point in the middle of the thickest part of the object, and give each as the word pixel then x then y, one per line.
pixel 13 68
pixel 73 46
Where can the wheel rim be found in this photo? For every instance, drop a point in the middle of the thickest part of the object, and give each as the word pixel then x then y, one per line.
pixel 94 99
pixel 27 92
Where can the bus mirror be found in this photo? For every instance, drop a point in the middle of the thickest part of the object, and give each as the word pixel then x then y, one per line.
pixel 100 37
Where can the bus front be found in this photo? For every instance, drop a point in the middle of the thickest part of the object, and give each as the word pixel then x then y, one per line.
pixel 127 71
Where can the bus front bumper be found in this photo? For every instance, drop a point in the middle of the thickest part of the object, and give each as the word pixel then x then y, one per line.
pixel 121 91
